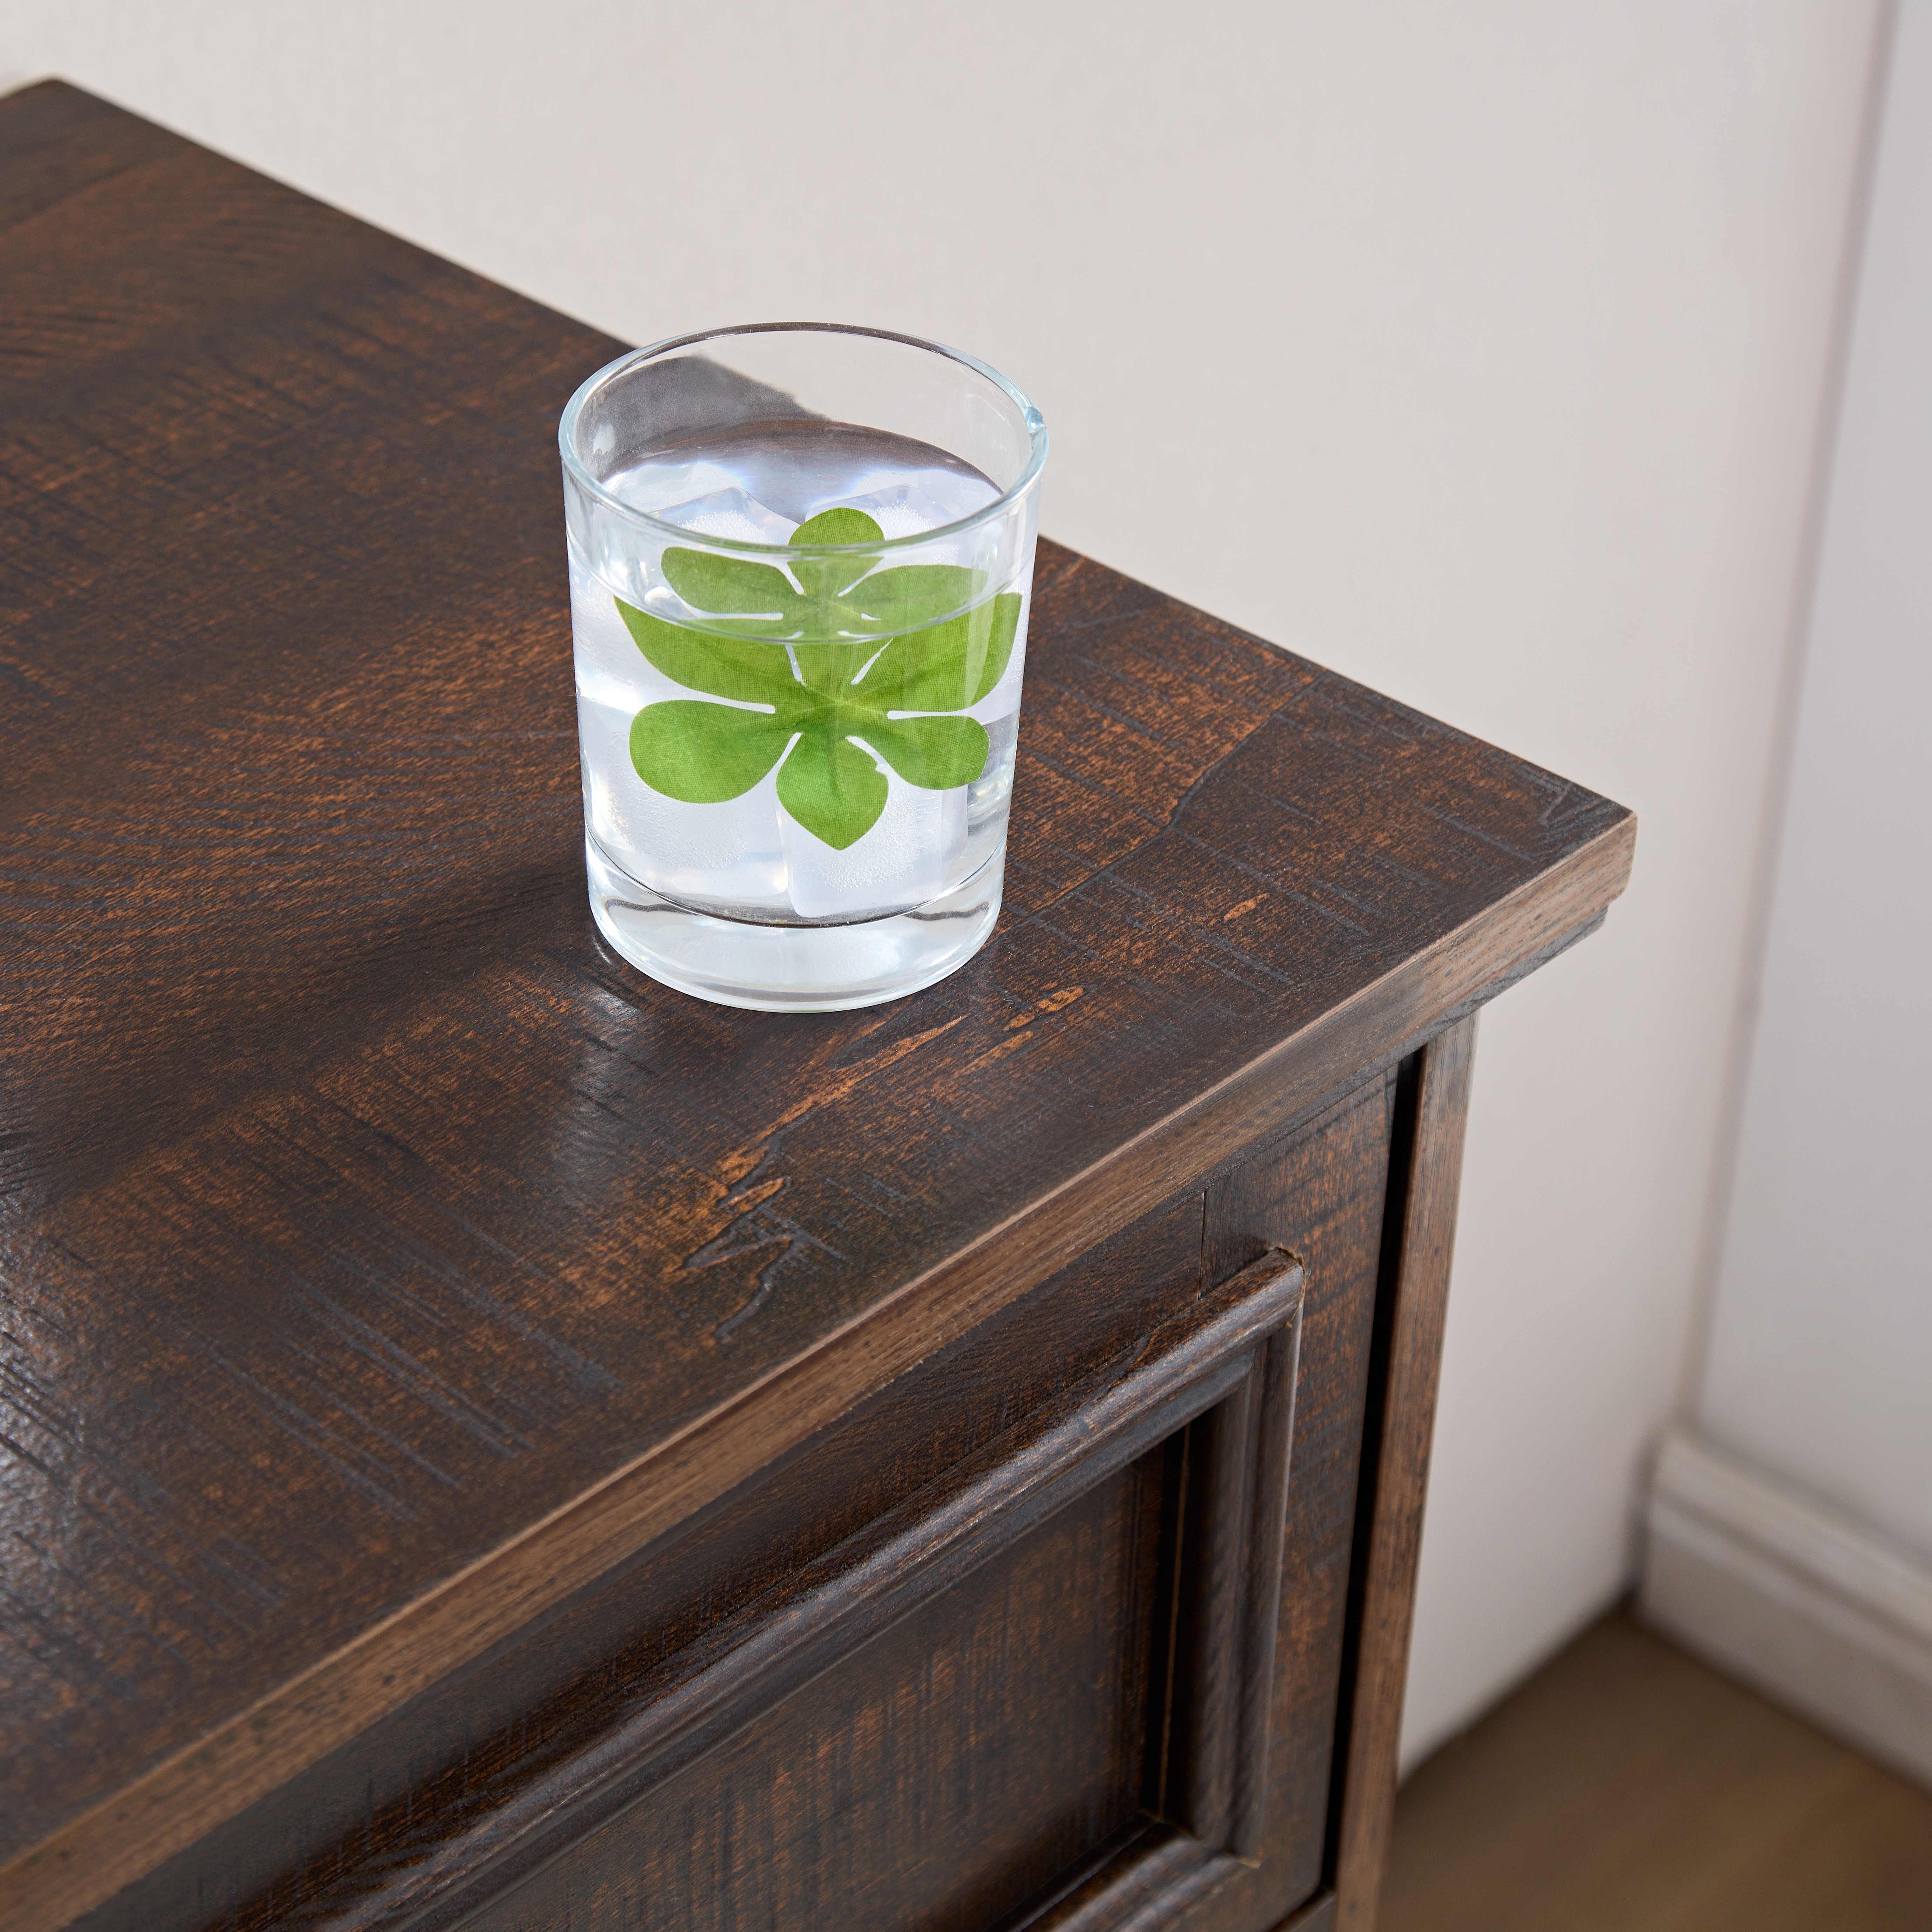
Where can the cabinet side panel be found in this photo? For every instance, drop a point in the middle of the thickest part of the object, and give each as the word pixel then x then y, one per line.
pixel 1321 1194
pixel 1401 1428
pixel 938 1777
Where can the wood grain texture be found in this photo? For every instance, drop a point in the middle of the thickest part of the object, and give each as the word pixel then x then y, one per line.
pixel 376 1811
pixel 935 1777
pixel 1323 1192
pixel 593 1852
pixel 383 1263
pixel 1401 1427
pixel 1254 1785
pixel 1317 1916
pixel 382 1797
pixel 1218 1508
pixel 536 1806
pixel 1212 1730
pixel 1148 1879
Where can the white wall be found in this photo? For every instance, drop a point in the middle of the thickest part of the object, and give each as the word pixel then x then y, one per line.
pixel 1478 350
pixel 1790 1521
pixel 1819 1362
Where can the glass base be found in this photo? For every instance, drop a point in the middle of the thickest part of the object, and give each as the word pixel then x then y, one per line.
pixel 793 969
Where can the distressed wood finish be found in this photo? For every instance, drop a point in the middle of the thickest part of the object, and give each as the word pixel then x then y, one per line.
pixel 412 1317
pixel 1400 1427
pixel 1231 1366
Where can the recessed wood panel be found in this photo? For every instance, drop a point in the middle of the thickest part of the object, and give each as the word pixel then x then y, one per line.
pixel 1202 1412
pixel 377 1801
pixel 938 1778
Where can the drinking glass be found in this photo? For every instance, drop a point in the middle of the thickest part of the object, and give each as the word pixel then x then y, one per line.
pixel 801 566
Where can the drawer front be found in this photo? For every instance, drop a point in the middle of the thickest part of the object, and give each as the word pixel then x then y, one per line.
pixel 1043 1717
pixel 1062 1649
pixel 939 1776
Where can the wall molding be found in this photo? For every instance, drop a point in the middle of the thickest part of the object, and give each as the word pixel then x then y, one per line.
pixel 1785 1593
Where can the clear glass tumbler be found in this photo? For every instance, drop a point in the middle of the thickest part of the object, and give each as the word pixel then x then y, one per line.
pixel 801 562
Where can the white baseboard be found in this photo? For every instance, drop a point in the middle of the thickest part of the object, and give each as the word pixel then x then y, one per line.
pixel 1793 1598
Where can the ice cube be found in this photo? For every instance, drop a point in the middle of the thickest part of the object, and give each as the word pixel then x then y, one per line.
pixel 908 510
pixel 610 669
pixel 907 857
pixel 729 850
pixel 732 513
pixel 659 487
pixel 1003 700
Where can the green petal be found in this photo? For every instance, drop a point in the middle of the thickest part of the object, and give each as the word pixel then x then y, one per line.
pixel 947 666
pixel 832 789
pixel 732 585
pixel 1000 629
pixel 824 578
pixel 704 753
pixel 838 527
pixel 935 754
pixel 915 595
pixel 828 579
pixel 759 673
pixel 829 668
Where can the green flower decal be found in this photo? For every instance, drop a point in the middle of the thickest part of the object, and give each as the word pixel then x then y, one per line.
pixel 863 649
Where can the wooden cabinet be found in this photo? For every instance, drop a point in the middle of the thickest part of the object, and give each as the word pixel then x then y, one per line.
pixel 485 1441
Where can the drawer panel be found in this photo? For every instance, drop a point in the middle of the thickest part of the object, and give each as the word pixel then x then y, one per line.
pixel 994 1691
pixel 376 1803
pixel 834 1747
pixel 937 1777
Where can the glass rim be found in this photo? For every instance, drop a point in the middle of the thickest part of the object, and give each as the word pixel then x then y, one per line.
pixel 1033 422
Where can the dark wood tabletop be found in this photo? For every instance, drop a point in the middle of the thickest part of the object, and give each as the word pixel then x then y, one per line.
pixel 380 1258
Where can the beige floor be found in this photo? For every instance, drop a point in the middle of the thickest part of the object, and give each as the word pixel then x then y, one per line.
pixel 1626 1788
